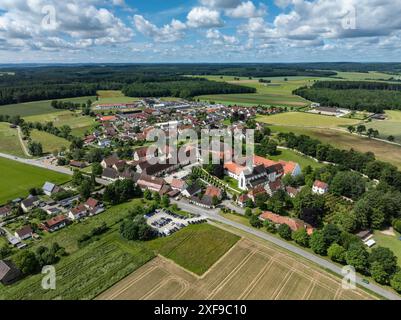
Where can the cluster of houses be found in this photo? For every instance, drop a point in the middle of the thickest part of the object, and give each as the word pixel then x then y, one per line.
pixel 61 213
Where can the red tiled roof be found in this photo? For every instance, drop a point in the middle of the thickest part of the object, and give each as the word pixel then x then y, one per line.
pixel 212 191
pixel 320 184
pixel 234 168
pixel 108 118
pixel 294 223
pixel 55 221
pixel 91 203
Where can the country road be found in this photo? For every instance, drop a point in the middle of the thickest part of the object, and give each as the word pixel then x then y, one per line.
pixel 213 214
pixel 40 164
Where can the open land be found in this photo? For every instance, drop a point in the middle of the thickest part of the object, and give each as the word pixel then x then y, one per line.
pixel 49 141
pixel 37 107
pixel 249 271
pixel 389 127
pixel 17 178
pixel 10 142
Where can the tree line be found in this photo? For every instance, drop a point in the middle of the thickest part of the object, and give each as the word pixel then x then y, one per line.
pixel 355 95
pixel 183 89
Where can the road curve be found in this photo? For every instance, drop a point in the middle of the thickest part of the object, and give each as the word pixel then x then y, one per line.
pixel 40 164
pixel 214 215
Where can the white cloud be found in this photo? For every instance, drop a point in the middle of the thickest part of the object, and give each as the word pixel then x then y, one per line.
pixel 202 17
pixel 246 10
pixel 73 21
pixel 220 39
pixel 168 33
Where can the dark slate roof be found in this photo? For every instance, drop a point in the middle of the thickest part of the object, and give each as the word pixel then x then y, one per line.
pixel 193 189
pixel 30 201
pixel 7 266
pixel 110 173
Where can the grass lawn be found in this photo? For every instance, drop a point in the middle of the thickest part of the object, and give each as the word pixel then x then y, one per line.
pixel 49 141
pixel 37 107
pixel 342 140
pixel 78 123
pixel 278 92
pixel 196 247
pixel 112 96
pixel 302 119
pixel 9 141
pixel 17 178
pixel 388 127
pixel 289 155
pixel 391 242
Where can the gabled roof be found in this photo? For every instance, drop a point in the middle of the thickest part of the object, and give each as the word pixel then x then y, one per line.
pixel 5 210
pixel 92 203
pixel 111 161
pixel 212 191
pixel 193 189
pixel 30 201
pixel 27 230
pixel 110 173
pixel 320 184
pixel 234 168
pixel 6 266
pixel 177 183
pixel 55 221
pixel 294 223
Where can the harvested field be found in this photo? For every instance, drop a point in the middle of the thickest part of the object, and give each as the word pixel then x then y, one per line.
pixel 248 271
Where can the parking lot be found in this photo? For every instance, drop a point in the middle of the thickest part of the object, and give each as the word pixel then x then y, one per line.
pixel 166 223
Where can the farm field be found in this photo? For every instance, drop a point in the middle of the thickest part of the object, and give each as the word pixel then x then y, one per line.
pixel 195 248
pixel 17 178
pixel 360 76
pixel 302 119
pixel 289 155
pixel 249 271
pixel 343 140
pixel 49 141
pixel 89 270
pixel 278 92
pixel 37 107
pixel 112 96
pixel 9 141
pixel 78 123
pixel 388 127
pixel 391 242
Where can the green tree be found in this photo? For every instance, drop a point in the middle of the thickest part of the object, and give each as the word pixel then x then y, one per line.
pixel 85 189
pixel 165 201
pixel 301 237
pixel 331 234
pixel 378 273
pixel 270 227
pixel 27 262
pixel 336 253
pixel 317 243
pixel 349 184
pixel 396 282
pixel 357 256
pixel 255 221
pixel 386 258
pixel 147 194
pixel 284 231
pixel 97 169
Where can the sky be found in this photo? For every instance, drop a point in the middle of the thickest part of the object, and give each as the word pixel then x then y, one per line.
pixel 183 31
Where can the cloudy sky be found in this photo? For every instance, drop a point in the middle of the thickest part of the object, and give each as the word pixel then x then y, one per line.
pixel 72 31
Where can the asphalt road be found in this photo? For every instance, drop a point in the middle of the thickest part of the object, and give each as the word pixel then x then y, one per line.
pixel 213 214
pixel 40 164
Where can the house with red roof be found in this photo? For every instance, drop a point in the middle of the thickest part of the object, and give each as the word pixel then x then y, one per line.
pixel 320 187
pixel 294 223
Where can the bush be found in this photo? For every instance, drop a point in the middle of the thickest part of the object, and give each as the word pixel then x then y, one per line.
pixel 136 229
pixel 301 237
pixel 317 243
pixel 336 253
pixel 285 231
pixel 397 225
pixel 396 282
pixel 255 221
pixel 270 227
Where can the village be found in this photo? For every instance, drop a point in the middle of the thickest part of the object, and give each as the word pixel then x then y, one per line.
pixel 54 207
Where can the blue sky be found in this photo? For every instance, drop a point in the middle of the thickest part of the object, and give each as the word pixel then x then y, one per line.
pixel 72 31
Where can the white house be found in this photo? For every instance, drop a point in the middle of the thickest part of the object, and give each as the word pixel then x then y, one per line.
pixel 320 187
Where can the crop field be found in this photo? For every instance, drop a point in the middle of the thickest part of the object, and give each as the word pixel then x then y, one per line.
pixel 302 119
pixel 49 141
pixel 77 122
pixel 9 141
pixel 278 92
pixel 195 248
pixel 248 271
pixel 84 274
pixel 343 140
pixel 17 178
pixel 37 107
pixel 388 127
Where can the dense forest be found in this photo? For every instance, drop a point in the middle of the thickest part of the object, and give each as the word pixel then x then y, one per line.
pixel 355 95
pixel 183 89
